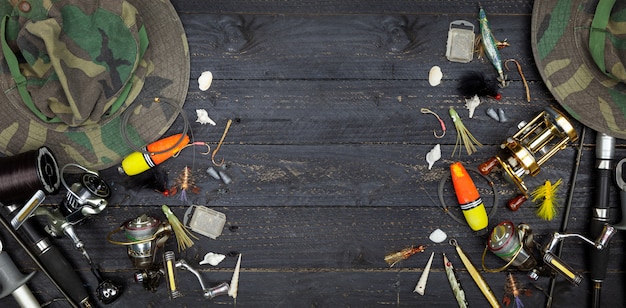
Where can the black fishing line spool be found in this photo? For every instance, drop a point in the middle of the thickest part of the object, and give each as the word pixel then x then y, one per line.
pixel 23 174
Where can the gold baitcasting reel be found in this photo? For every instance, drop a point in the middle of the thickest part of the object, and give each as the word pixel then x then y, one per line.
pixel 534 144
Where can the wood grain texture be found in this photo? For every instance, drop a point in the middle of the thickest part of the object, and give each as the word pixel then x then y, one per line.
pixel 327 159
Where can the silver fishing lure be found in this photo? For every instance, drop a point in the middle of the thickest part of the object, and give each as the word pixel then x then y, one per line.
pixel 421 283
pixel 455 284
pixel 489 44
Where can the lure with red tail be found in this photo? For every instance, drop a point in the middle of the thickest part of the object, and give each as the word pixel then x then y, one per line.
pixel 468 197
pixel 156 153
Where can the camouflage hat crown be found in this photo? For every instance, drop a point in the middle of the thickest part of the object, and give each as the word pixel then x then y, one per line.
pixel 70 68
pixel 580 49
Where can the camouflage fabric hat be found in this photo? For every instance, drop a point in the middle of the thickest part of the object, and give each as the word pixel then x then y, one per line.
pixel 584 68
pixel 70 68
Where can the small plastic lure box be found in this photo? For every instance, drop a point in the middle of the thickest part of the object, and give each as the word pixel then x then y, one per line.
pixel 460 45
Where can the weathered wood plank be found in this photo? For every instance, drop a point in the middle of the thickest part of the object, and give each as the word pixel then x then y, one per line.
pixel 332 252
pixel 371 47
pixel 327 159
pixel 351 7
pixel 340 112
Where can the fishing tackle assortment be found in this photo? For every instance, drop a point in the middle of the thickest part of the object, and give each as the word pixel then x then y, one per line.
pixel 170 268
pixel 527 150
pixel 153 154
pixel 145 235
pixel 180 231
pixel 476 276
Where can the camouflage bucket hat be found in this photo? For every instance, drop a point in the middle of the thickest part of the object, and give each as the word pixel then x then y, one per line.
pixel 70 68
pixel 580 49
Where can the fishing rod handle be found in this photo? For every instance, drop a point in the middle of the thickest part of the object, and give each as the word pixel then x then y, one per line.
pixel 605 152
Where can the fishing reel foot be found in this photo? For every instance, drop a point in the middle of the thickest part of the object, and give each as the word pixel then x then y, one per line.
pixel 108 291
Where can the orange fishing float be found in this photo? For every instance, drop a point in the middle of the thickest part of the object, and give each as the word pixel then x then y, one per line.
pixel 154 154
pixel 468 197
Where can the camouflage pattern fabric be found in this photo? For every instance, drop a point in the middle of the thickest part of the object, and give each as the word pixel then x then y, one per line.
pixel 560 43
pixel 84 63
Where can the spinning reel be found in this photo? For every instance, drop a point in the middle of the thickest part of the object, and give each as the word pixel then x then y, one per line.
pixel 527 150
pixel 515 246
pixel 83 199
pixel 147 234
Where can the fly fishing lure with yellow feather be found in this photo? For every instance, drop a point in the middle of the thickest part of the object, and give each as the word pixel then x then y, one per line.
pixel 545 198
pixel 181 232
pixel 463 135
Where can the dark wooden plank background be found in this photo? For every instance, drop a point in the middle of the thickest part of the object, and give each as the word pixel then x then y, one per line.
pixel 327 158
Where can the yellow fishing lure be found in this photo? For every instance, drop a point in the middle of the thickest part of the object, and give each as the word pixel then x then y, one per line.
pixel 545 198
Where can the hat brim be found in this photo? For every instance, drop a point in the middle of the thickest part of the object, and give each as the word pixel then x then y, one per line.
pixel 99 146
pixel 559 37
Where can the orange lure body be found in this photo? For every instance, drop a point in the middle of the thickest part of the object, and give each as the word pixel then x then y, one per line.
pixel 468 198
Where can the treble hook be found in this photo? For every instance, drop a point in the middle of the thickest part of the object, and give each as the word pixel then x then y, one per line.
pixel 195 143
pixel 443 125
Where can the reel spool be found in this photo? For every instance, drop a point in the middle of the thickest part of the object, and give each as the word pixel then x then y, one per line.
pixel 513 245
pixel 527 150
pixel 84 198
pixel 147 235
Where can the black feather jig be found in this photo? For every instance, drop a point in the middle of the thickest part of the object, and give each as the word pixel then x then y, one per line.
pixel 475 83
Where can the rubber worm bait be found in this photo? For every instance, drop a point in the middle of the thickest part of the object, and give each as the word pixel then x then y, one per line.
pixel 459 294
pixel 478 278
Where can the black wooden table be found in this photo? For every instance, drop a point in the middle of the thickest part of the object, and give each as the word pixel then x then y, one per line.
pixel 327 159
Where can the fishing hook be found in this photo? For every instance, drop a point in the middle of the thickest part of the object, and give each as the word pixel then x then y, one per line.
pixel 219 145
pixel 443 125
pixel 519 69
pixel 195 143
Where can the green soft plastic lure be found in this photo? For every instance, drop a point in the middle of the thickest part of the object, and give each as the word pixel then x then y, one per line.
pixel 490 46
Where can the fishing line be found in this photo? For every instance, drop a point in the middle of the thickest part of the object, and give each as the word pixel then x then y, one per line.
pixel 23 174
